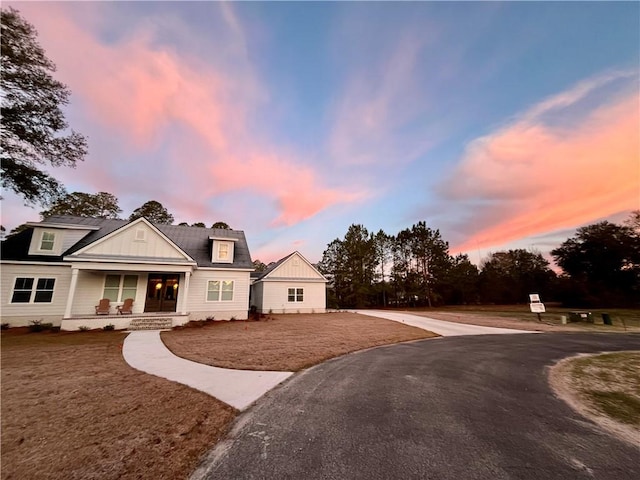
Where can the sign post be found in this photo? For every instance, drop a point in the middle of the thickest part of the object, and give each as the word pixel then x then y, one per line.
pixel 536 305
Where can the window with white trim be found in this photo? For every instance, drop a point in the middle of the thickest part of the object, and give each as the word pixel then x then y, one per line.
pixel 23 291
pixel 220 291
pixel 47 241
pixel 222 252
pixel 295 295
pixel 117 288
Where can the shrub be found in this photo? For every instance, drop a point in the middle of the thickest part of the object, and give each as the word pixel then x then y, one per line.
pixel 109 327
pixel 46 326
pixel 210 319
pixel 55 329
pixel 4 326
pixel 35 326
pixel 83 328
pixel 233 319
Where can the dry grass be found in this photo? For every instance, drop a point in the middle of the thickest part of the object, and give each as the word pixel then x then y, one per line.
pixel 73 409
pixel 605 388
pixel 286 342
pixel 519 317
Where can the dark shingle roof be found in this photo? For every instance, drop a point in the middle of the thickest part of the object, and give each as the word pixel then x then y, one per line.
pixel 194 241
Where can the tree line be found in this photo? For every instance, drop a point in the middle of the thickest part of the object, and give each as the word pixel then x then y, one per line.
pixel 601 266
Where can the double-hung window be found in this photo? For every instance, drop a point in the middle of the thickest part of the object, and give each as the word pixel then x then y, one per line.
pixel 47 241
pixel 220 291
pixel 24 291
pixel 295 295
pixel 118 288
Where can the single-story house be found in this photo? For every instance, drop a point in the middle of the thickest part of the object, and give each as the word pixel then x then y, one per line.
pixel 56 271
pixel 290 285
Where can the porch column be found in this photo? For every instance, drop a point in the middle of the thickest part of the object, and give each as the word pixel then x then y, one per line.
pixel 72 292
pixel 185 293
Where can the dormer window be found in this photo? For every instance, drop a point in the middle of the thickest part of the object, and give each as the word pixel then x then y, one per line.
pixel 47 241
pixel 222 249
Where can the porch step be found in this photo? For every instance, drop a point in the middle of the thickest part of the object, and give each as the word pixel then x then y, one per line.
pixel 150 324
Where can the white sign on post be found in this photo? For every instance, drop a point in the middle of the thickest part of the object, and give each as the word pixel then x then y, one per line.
pixel 537 307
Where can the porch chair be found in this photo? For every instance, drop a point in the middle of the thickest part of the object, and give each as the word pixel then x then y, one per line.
pixel 103 307
pixel 126 307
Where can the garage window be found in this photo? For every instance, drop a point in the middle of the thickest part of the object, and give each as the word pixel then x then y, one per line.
pixel 296 295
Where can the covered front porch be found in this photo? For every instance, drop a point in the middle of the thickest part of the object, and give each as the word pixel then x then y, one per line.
pixel 156 289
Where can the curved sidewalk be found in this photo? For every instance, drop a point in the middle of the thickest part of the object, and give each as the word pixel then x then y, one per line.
pixel 446 329
pixel 145 351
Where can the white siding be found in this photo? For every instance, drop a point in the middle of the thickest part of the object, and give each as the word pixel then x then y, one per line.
pixel 71 237
pixel 198 306
pixel 20 314
pixel 36 241
pixel 90 289
pixel 124 243
pixel 275 297
pixel 295 267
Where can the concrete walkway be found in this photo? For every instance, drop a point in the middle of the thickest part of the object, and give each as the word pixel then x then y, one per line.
pixel 446 329
pixel 145 351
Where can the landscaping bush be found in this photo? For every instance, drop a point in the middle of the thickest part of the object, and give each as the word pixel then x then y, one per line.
pixel 4 326
pixel 109 327
pixel 35 326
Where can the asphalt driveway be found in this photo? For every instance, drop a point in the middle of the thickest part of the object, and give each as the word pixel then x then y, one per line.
pixel 449 408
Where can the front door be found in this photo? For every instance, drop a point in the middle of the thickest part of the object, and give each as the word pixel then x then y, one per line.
pixel 162 292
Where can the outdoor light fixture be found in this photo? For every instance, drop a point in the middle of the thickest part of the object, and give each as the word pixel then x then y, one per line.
pixel 158 285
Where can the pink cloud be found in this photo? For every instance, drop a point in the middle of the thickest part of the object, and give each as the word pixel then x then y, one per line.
pixel 193 117
pixel 543 178
pixel 378 102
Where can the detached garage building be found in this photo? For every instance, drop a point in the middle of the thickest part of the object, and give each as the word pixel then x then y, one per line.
pixel 290 285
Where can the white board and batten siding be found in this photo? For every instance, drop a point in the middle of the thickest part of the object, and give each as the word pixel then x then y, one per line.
pixel 271 292
pixel 200 308
pixel 21 314
pixel 136 240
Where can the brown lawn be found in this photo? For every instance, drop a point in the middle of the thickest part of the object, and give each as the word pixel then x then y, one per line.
pixel 518 317
pixel 286 342
pixel 73 409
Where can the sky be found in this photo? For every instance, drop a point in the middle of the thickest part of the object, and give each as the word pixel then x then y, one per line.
pixel 503 125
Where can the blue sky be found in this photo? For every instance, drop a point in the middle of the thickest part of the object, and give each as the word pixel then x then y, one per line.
pixel 504 125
